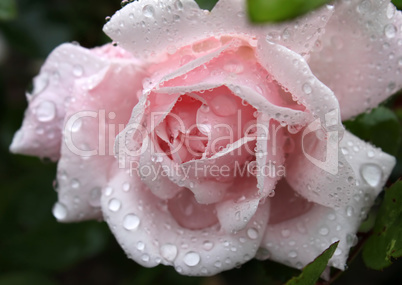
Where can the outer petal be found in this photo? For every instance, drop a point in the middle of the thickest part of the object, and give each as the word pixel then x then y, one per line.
pixel 150 235
pixel 318 171
pixel 40 134
pixel 102 107
pixel 297 241
pixel 361 54
pixel 163 26
pixel 292 72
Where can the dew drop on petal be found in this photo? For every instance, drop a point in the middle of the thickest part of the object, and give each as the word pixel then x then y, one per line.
pixel 76 125
pixel 45 111
pixel 293 254
pixel 372 174
pixel 78 71
pixel 75 183
pixel 252 233
pixel 262 254
pixel 131 222
pixel 168 251
pixel 207 245
pixel 114 205
pixel 108 191
pixel 323 231
pixel 148 11
pixel 307 88
pixel 224 105
pixel 95 196
pixel 191 258
pixel 140 246
pixel 126 186
pixel 349 211
pixel 59 211
pixel 390 31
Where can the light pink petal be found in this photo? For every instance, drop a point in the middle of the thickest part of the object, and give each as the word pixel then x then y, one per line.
pixel 317 169
pixel 270 154
pixel 292 72
pixel 155 168
pixel 100 109
pixel 297 237
pixel 40 134
pixel 299 35
pixel 149 233
pixel 361 55
pixel 241 204
pixel 152 29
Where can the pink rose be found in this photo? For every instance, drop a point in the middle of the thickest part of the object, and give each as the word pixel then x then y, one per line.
pixel 235 147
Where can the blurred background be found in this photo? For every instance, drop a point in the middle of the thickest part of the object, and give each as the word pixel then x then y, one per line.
pixel 34 248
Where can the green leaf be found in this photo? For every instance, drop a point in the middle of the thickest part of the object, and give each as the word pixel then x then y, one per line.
pixel 313 270
pixel 8 9
pixel 380 127
pixel 397 3
pixel 206 4
pixel 280 10
pixel 385 243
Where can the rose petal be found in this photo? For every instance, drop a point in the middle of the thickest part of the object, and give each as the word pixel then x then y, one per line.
pixel 132 218
pixel 40 133
pixel 204 177
pixel 292 72
pixel 93 118
pixel 147 20
pixel 317 169
pixel 361 58
pixel 299 240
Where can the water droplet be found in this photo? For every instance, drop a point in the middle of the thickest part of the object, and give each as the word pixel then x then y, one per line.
pixel 75 183
pixel 207 245
pixel 108 191
pixel 140 246
pixel 131 222
pixel 126 186
pixel 191 258
pixel 262 253
pixel 95 196
pixel 148 11
pixel 390 31
pixel 292 254
pixel 349 211
pixel 76 125
pixel 45 111
pixel 59 211
pixel 114 205
pixel 204 108
pixel 364 7
pixel 307 88
pixel 390 11
pixel 178 5
pixel 78 71
pixel 168 251
pixel 372 174
pixel 233 67
pixel 323 231
pixel 223 105
pixel 252 233
pixel 205 128
pixel 337 252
